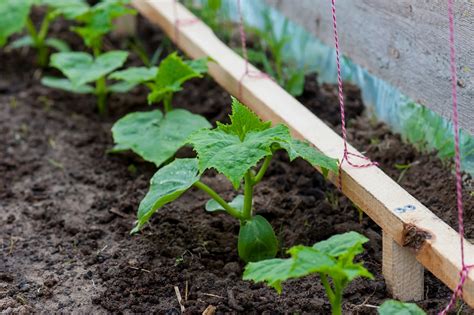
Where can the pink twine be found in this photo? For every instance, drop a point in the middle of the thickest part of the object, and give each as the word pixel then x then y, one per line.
pixel 346 154
pixel 243 40
pixel 179 22
pixel 465 268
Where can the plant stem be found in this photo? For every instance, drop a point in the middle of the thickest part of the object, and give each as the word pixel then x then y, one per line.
pixel 40 43
pixel 248 194
pixel 233 212
pixel 167 102
pixel 334 296
pixel 262 170
pixel 101 92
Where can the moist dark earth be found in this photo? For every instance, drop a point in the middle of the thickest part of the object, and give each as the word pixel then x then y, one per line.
pixel 67 207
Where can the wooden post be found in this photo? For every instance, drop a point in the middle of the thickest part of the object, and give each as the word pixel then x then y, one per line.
pixel 402 272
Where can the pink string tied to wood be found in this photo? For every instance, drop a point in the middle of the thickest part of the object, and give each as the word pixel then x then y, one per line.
pixel 457 159
pixel 180 22
pixel 346 155
pixel 243 40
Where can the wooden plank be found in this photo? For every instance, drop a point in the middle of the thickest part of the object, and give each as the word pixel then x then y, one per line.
pixel 388 204
pixel 403 42
pixel 403 275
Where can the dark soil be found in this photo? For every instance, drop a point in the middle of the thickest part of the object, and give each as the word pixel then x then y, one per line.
pixel 67 208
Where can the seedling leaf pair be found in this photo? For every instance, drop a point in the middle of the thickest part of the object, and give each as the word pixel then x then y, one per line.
pixel 392 307
pixel 332 257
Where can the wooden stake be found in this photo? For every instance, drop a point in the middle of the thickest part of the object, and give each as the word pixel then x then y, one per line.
pixel 380 197
pixel 403 274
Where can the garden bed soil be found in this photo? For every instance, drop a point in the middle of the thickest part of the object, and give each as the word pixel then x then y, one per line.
pixel 67 207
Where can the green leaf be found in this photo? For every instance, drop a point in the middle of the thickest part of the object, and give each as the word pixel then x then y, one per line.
pixel 81 68
pixel 257 240
pixel 24 41
pixel 172 73
pixel 168 184
pixel 342 244
pixel 214 4
pixel 392 307
pixel 243 120
pixel 135 75
pixel 70 9
pixel 295 83
pixel 98 20
pixel 199 65
pixel 57 44
pixel 272 271
pixel 230 156
pixel 121 87
pixel 155 137
pixel 298 148
pixel 14 14
pixel 65 84
pixel 237 203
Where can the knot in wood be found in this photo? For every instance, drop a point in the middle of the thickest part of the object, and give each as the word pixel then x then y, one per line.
pixel 414 237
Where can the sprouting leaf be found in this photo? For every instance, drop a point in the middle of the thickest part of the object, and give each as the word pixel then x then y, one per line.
pixel 234 148
pixel 341 244
pixel 98 19
pixel 65 84
pixel 230 155
pixel 14 14
pixel 237 203
pixel 257 240
pixel 172 73
pixel 392 307
pixel 295 83
pixel 81 67
pixel 155 137
pixel 135 75
pixel 243 120
pixel 168 184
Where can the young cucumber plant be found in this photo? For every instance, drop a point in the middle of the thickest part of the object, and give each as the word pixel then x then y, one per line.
pixel 332 258
pixel 98 22
pixel 81 69
pixel 152 135
pixel 234 150
pixel 15 18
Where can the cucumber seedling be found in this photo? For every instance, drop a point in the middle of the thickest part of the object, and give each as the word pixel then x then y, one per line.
pixel 153 135
pixel 81 68
pixel 332 258
pixel 233 150
pixel 16 17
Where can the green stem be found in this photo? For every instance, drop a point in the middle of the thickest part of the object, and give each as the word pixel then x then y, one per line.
pixel 233 212
pixel 32 30
pixel 262 170
pixel 101 92
pixel 327 286
pixel 167 102
pixel 336 304
pixel 248 194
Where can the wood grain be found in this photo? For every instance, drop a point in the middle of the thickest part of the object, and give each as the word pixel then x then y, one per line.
pixel 369 188
pixel 403 42
pixel 403 274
